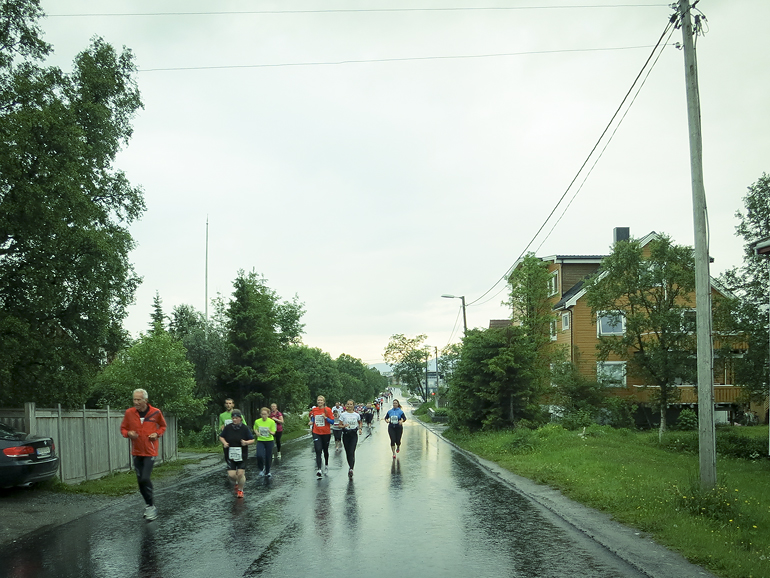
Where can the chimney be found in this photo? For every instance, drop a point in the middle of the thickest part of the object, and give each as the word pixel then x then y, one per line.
pixel 621 234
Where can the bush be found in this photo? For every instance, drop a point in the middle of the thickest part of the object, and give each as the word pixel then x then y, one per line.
pixel 577 419
pixel 687 420
pixel 203 438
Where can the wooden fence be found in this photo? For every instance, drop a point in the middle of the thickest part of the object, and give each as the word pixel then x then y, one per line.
pixel 88 441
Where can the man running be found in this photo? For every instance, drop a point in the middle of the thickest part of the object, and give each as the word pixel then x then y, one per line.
pixel 236 439
pixel 226 416
pixel 321 419
pixel 143 425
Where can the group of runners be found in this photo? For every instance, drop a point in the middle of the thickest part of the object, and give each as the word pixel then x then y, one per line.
pixel 346 424
pixel 144 425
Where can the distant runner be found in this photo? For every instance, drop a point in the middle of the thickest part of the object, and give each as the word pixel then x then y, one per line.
pixel 321 419
pixel 351 422
pixel 226 416
pixel 395 418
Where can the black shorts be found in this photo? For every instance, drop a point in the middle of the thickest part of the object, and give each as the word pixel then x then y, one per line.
pixel 368 418
pixel 233 465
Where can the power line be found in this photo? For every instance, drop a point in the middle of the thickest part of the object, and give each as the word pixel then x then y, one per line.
pixel 401 59
pixel 353 10
pixel 660 43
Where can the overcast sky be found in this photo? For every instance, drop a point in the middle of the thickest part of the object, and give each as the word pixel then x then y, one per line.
pixel 372 188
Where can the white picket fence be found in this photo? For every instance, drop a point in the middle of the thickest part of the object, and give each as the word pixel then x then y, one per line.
pixel 88 441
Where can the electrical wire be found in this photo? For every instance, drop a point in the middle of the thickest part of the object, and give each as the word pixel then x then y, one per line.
pixel 353 10
pixel 669 24
pixel 451 335
pixel 403 59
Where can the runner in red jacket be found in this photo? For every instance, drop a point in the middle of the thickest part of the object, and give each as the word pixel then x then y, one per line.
pixel 143 425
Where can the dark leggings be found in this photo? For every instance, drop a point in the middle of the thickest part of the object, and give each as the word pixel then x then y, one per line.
pixel 264 455
pixel 395 431
pixel 277 435
pixel 321 443
pixel 350 441
pixel 143 468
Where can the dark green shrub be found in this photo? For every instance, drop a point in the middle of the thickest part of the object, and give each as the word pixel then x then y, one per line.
pixel 203 438
pixel 687 420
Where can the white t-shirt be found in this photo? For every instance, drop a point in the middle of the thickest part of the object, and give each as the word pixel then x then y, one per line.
pixel 349 420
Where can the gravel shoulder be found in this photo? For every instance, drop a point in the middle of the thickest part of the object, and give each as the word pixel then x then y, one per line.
pixel 27 511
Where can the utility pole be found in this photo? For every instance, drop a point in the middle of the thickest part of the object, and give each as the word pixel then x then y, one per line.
pixel 706 430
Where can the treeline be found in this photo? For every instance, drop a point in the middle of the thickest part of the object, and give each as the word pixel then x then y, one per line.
pixel 65 275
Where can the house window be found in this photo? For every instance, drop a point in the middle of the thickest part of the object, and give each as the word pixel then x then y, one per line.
pixel 553 330
pixel 688 321
pixel 611 373
pixel 553 284
pixel 610 323
pixel 565 321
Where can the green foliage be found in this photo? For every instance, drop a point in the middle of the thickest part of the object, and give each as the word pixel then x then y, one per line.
pixel 529 300
pixel 424 407
pixel 202 438
pixel 65 277
pixel 687 420
pixel 652 294
pixel 747 316
pixel 494 382
pixel 156 363
pixel 730 442
pixel 318 372
pixel 408 356
pixel 577 419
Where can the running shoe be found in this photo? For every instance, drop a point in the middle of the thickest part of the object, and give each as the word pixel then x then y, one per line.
pixel 394 456
pixel 239 494
pixel 269 475
pixel 279 455
pixel 398 450
pixel 319 475
pixel 146 511
pixel 326 469
pixel 151 513
pixel 262 472
pixel 350 473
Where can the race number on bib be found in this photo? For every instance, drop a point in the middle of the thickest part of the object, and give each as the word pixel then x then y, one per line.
pixel 394 419
pixel 236 454
pixel 320 421
pixel 264 432
pixel 228 422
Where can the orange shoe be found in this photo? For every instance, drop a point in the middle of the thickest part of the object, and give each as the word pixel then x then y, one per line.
pixel 239 494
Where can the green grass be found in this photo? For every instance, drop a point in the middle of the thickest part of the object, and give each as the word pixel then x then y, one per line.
pixel 118 483
pixel 650 488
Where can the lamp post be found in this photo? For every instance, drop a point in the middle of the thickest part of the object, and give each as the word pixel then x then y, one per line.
pixel 465 322
pixel 762 247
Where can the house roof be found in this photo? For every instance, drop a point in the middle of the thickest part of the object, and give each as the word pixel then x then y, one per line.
pixel 576 289
pixel 574 258
pixel 495 323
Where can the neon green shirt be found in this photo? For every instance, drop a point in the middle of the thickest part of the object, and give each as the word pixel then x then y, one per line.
pixel 262 427
pixel 225 418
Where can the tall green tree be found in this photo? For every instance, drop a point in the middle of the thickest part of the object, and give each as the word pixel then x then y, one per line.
pixel 408 356
pixel 318 372
pixel 651 295
pixel 749 282
pixel 157 318
pixel 65 277
pixel 156 363
pixel 495 383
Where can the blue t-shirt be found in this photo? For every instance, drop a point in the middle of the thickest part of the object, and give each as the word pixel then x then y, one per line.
pixel 395 414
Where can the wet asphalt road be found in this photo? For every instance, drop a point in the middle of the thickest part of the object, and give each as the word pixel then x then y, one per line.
pixel 431 512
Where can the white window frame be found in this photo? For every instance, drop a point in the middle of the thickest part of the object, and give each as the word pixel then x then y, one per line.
pixel 554 335
pixel 565 321
pixel 600 333
pixel 601 372
pixel 553 283
pixel 695 320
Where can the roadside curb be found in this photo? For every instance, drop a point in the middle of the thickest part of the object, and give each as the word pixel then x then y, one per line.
pixel 630 545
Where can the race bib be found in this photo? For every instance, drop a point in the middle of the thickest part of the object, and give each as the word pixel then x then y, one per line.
pixel 264 432
pixel 228 422
pixel 235 454
pixel 394 419
pixel 320 421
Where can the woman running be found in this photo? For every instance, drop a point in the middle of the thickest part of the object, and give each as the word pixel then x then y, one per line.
pixel 236 438
pixel 277 417
pixel 264 427
pixel 395 418
pixel 351 428
pixel 321 418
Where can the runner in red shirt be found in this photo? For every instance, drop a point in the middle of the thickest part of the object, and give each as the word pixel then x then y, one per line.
pixel 321 419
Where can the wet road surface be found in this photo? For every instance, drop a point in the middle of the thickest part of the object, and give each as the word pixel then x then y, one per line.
pixel 431 512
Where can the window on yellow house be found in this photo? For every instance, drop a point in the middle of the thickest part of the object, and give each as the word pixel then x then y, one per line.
pixel 610 323
pixel 611 373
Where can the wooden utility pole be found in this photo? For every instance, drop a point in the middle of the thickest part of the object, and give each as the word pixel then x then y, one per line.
pixel 706 431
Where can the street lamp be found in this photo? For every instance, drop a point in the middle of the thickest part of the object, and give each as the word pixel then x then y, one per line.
pixel 762 247
pixel 465 322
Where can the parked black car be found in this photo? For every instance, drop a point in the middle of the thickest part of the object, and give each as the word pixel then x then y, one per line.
pixel 25 459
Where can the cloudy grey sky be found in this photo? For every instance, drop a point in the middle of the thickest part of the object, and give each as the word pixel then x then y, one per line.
pixel 371 188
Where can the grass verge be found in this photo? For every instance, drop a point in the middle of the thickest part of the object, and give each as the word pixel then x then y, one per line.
pixel 118 483
pixel 643 485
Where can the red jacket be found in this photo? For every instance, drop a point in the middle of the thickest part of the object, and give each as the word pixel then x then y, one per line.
pixel 325 429
pixel 153 423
